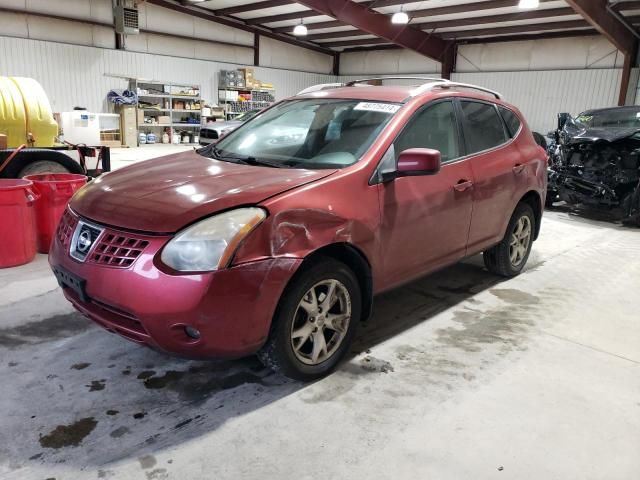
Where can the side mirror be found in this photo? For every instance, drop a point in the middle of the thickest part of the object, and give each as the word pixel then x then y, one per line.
pixel 418 161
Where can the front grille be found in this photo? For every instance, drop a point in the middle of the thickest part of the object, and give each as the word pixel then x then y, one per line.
pixel 206 133
pixel 66 227
pixel 117 249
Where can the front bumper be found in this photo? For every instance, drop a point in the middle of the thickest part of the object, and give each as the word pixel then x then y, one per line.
pixel 232 308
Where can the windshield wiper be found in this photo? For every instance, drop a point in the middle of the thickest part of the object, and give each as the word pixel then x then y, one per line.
pixel 246 160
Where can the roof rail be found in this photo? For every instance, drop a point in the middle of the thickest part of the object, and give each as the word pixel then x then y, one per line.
pixel 429 84
pixel 365 80
pixel 470 86
pixel 320 86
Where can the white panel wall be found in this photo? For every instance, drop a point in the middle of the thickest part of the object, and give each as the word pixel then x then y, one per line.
pixel 386 62
pixel 157 19
pixel 541 95
pixel 277 54
pixel 559 53
pixel 74 75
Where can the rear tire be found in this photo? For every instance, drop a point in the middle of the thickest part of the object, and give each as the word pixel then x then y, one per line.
pixel 29 156
pixel 509 257
pixel 42 166
pixel 315 321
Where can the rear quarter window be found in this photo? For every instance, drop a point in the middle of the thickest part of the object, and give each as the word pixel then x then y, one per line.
pixel 511 120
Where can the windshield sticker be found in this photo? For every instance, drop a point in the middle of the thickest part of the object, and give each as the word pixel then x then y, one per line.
pixel 377 107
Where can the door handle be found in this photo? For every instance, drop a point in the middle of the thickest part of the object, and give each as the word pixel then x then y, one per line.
pixel 462 185
pixel 518 168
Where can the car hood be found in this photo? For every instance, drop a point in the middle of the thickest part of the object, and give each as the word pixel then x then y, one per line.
pixel 219 126
pixel 165 194
pixel 593 135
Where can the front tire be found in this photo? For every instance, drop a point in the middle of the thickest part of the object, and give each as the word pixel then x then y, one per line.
pixel 509 257
pixel 315 322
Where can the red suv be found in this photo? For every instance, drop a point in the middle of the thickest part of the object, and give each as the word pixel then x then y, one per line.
pixel 275 239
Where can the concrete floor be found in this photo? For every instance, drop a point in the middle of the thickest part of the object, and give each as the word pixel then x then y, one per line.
pixel 460 375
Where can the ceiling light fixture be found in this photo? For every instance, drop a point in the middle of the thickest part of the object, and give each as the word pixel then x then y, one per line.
pixel 400 18
pixel 300 30
pixel 528 4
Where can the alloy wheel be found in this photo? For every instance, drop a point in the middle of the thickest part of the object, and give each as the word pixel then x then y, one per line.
pixel 520 241
pixel 321 322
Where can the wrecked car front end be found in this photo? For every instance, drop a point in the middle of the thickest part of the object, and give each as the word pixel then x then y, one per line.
pixel 596 162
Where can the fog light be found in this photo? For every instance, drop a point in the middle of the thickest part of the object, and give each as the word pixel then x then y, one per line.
pixel 192 332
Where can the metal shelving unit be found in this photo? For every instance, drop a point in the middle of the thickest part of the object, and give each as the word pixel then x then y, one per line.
pixel 250 104
pixel 166 95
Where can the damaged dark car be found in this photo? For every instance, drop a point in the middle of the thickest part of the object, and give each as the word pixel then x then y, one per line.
pixel 595 161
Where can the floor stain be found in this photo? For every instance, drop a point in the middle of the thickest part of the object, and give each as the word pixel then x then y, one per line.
pixel 515 296
pixel 46 330
pixel 504 326
pixel 182 424
pixel 148 461
pixel 139 415
pixel 96 385
pixel 146 374
pixel 199 382
pixel 373 364
pixel 119 432
pixel 158 474
pixel 79 366
pixel 68 435
pixel 112 412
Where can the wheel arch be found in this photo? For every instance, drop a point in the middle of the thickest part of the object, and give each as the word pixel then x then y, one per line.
pixel 356 260
pixel 533 199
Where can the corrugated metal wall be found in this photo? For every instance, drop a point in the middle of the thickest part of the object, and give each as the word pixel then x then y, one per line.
pixel 542 95
pixel 74 75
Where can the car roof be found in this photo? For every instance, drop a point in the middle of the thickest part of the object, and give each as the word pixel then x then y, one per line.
pixel 395 93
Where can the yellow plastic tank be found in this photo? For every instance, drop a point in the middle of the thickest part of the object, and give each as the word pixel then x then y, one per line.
pixel 41 128
pixel 13 118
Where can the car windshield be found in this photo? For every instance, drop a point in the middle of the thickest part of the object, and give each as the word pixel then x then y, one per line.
pixel 244 116
pixel 615 118
pixel 317 133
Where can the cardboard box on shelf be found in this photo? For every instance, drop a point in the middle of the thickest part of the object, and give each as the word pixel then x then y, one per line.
pixel 3 141
pixel 140 116
pixel 164 119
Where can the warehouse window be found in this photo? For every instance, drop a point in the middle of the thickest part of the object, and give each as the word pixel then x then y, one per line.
pixel 482 126
pixel 512 121
pixel 433 127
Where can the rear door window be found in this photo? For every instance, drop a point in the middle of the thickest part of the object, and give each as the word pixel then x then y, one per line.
pixel 511 120
pixel 482 126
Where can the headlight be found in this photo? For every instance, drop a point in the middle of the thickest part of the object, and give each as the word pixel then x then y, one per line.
pixel 210 244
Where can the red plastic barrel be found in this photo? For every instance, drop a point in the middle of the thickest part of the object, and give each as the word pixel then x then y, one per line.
pixel 17 222
pixel 55 191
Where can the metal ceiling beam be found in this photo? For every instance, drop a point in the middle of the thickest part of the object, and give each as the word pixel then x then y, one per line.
pixel 595 12
pixel 500 39
pixel 476 32
pixel 626 5
pixel 309 13
pixel 462 22
pixel 516 29
pixel 206 14
pixel 468 8
pixel 313 26
pixel 374 23
pixel 249 7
